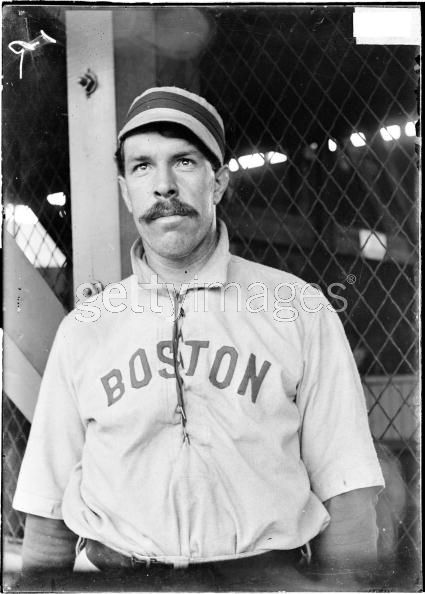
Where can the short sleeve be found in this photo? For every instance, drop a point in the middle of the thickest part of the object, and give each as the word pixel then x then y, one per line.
pixel 56 437
pixel 336 443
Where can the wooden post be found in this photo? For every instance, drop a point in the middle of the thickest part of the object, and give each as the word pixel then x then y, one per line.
pixel 92 139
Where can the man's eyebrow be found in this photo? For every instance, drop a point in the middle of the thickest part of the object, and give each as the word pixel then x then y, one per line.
pixel 136 157
pixel 178 155
pixel 185 153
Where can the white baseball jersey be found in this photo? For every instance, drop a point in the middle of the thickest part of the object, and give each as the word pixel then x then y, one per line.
pixel 276 421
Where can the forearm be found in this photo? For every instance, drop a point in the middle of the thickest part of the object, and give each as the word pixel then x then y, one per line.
pixel 350 540
pixel 345 553
pixel 48 545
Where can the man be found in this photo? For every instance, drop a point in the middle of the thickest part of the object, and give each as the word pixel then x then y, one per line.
pixel 199 426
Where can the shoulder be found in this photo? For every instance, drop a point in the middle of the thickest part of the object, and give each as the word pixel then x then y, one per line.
pixel 92 315
pixel 289 297
pixel 243 269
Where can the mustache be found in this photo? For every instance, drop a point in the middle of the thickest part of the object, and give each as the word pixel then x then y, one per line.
pixel 166 208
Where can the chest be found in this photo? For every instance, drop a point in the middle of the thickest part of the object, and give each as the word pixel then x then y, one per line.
pixel 228 362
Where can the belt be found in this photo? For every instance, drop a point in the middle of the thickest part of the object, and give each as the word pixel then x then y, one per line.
pixel 106 559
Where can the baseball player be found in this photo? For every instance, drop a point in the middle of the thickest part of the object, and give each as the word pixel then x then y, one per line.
pixel 210 417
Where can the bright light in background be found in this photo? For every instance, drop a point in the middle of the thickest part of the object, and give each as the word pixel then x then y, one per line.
pixel 410 129
pixel 358 139
pixel 257 160
pixel 373 245
pixel 251 161
pixel 57 199
pixel 23 215
pixel 32 238
pixel 332 146
pixel 390 132
pixel 276 158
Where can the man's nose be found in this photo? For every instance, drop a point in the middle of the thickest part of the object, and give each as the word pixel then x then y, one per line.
pixel 165 184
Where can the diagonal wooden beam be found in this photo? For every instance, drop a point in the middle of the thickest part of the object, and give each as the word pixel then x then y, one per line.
pixel 21 381
pixel 32 316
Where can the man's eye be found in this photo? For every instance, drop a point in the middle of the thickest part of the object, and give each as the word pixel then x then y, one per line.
pixel 141 167
pixel 185 162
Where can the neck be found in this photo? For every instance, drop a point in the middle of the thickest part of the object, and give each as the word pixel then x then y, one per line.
pixel 180 270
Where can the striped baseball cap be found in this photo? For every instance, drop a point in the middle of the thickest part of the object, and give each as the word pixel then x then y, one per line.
pixel 172 104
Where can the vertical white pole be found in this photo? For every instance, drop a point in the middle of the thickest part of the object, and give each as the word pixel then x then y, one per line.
pixel 92 140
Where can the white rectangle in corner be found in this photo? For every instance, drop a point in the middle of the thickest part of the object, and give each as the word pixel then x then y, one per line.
pixel 387 25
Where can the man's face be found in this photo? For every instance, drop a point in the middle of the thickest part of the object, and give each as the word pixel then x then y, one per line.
pixel 172 191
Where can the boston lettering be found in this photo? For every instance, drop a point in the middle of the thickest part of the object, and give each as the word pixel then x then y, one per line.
pixel 226 368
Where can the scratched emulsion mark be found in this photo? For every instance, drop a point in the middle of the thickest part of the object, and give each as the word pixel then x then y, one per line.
pixel 19 300
pixel 20 47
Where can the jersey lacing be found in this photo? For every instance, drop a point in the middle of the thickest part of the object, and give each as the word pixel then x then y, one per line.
pixel 178 362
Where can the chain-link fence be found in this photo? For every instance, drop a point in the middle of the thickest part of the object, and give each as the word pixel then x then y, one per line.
pixel 342 207
pixel 35 145
pixel 321 142
pixel 35 188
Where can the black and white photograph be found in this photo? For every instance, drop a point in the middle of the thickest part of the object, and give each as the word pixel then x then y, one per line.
pixel 211 297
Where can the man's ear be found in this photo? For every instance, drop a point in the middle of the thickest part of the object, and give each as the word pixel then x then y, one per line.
pixel 124 192
pixel 221 183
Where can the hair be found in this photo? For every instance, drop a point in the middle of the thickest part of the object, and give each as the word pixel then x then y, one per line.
pixel 168 130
